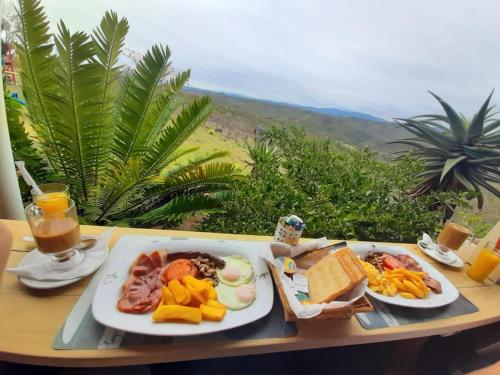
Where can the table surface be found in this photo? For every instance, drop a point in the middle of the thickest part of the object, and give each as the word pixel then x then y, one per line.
pixel 30 319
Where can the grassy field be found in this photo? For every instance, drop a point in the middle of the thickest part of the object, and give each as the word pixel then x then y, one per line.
pixel 209 140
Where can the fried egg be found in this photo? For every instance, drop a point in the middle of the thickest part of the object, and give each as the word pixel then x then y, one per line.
pixel 237 271
pixel 236 298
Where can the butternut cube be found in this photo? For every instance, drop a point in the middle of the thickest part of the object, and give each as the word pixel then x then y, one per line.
pixel 211 293
pixel 195 283
pixel 197 297
pixel 180 292
pixel 176 313
pixel 168 297
pixel 211 313
pixel 216 305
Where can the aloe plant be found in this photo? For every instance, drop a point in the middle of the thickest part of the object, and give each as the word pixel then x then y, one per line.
pixel 459 154
pixel 116 134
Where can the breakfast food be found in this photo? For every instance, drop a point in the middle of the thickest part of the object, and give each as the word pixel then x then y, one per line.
pixel 141 293
pixel 236 289
pixel 333 276
pixel 189 300
pixel 237 271
pixel 177 269
pixel 401 275
pixel 236 298
pixel 181 287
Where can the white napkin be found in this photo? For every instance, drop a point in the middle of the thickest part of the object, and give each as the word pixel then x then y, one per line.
pixel 426 239
pixel 283 249
pixel 39 268
pixel 433 247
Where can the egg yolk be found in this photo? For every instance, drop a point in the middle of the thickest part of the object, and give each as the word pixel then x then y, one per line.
pixel 245 292
pixel 231 273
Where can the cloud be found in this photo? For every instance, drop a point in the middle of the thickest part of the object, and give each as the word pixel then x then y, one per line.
pixel 379 57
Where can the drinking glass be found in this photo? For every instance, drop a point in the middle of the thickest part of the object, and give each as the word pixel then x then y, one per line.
pixel 452 237
pixel 56 232
pixel 485 263
pixel 54 198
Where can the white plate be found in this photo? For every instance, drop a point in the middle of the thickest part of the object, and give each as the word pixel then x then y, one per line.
pixel 449 294
pixel 452 259
pixel 116 272
pixel 35 256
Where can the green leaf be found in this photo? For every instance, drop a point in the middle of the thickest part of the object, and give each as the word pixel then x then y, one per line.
pixel 463 180
pixel 182 206
pixel 492 126
pixel 454 120
pixel 76 106
pixel 131 129
pixel 37 64
pixel 108 39
pixel 449 165
pixel 173 136
pixel 475 129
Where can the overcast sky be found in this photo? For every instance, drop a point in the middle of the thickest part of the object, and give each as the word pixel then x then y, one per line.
pixel 378 57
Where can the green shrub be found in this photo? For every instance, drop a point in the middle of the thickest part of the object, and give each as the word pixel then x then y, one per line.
pixel 339 191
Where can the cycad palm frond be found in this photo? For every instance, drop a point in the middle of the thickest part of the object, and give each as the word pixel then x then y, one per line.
pixel 182 206
pixel 109 39
pixel 190 180
pixel 165 105
pixel 458 154
pixel 35 52
pixel 132 129
pixel 173 136
pixel 114 134
pixel 76 105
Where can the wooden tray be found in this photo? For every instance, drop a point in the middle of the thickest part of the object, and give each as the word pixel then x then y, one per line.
pixel 360 305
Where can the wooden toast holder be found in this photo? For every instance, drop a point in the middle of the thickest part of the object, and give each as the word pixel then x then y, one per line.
pixel 361 305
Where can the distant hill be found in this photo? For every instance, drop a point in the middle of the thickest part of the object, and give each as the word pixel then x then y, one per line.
pixel 241 114
pixel 322 110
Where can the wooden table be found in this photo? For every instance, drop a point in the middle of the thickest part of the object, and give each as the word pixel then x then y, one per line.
pixel 29 320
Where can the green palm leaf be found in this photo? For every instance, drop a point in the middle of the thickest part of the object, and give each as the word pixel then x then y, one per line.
pixel 108 39
pixel 180 207
pixel 173 136
pixel 35 55
pixel 132 130
pixel 115 134
pixel 166 105
pixel 76 105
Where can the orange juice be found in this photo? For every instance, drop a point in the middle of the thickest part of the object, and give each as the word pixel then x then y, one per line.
pixel 484 264
pixel 52 202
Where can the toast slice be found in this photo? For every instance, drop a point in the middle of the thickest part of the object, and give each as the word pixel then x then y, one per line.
pixel 351 265
pixel 328 280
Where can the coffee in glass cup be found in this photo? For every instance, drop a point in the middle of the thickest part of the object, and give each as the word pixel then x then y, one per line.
pixel 452 237
pixel 56 233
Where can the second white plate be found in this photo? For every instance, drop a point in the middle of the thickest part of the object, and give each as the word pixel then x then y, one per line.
pixel 449 294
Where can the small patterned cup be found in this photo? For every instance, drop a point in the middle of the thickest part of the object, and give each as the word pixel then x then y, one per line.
pixel 287 232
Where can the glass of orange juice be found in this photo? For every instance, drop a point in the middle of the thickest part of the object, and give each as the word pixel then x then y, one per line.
pixel 54 198
pixel 485 262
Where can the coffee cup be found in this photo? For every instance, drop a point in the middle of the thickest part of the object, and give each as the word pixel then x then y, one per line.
pixel 452 237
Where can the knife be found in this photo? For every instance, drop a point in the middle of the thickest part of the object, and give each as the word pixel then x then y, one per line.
pixel 85 301
pixel 81 307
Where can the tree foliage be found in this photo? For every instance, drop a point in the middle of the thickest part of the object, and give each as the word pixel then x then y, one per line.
pixel 339 191
pixel 458 154
pixel 116 134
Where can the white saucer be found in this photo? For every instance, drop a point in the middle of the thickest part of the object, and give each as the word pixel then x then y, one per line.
pixel 35 257
pixel 450 259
